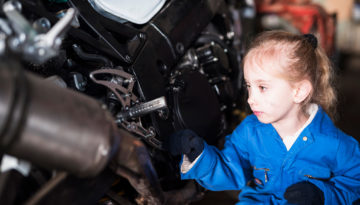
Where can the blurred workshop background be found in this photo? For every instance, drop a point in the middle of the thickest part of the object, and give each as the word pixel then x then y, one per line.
pixel 337 26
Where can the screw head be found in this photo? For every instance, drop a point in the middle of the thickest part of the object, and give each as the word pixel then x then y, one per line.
pixel 180 48
pixel 142 36
pixel 128 58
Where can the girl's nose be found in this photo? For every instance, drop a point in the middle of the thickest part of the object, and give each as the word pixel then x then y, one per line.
pixel 250 99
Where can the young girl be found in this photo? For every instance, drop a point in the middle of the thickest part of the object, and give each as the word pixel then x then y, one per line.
pixel 288 150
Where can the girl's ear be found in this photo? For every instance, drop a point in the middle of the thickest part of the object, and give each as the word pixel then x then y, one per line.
pixel 302 90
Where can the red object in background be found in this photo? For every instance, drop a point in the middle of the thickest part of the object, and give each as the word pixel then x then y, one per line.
pixel 304 16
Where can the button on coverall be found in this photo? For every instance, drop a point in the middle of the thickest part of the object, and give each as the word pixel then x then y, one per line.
pixel 322 155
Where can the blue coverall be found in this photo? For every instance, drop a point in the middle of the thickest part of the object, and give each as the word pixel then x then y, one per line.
pixel 322 155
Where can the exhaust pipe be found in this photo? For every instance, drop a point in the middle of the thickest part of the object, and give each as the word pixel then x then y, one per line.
pixel 51 126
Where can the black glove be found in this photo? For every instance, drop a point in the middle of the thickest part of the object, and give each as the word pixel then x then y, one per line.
pixel 186 142
pixel 304 193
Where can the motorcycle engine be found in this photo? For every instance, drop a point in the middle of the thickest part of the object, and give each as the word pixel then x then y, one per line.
pixel 171 66
pixel 202 90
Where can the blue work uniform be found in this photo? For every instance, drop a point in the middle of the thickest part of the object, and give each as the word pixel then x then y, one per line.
pixel 254 152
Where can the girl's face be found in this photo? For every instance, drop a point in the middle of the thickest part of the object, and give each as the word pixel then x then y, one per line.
pixel 271 97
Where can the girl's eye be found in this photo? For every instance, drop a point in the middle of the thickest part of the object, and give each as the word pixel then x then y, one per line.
pixel 262 88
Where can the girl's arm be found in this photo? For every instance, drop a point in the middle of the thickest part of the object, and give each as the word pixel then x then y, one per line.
pixel 228 169
pixel 344 186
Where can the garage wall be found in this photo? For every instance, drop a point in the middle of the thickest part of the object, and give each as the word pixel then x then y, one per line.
pixel 348 30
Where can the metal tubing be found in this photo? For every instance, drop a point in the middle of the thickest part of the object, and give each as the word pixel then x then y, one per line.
pixel 53 127
pixel 133 162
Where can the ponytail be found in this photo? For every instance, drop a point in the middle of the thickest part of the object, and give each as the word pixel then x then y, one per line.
pixel 324 92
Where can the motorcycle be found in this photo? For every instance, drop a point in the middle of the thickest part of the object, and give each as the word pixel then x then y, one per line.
pixel 91 90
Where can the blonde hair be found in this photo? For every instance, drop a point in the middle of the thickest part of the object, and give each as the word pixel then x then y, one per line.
pixel 303 61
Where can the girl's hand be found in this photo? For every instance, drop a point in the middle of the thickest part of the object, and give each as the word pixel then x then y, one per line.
pixel 186 142
pixel 304 193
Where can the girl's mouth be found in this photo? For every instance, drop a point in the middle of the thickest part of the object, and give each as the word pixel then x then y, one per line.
pixel 257 113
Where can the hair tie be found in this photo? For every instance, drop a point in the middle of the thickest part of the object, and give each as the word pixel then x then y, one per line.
pixel 310 38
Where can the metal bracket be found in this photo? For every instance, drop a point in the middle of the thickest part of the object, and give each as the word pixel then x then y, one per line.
pixel 123 94
pixel 122 84
pixel 36 47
